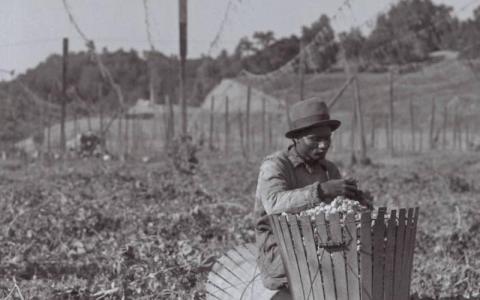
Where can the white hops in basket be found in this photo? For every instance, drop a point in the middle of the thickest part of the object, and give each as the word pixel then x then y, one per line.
pixel 339 205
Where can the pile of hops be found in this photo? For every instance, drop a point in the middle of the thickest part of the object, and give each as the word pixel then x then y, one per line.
pixel 339 205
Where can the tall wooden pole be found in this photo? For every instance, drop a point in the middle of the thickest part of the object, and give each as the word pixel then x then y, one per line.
pixel 247 117
pixel 412 126
pixel 227 126
pixel 171 119
pixel 391 119
pixel 264 109
pixel 270 132
pixel 183 55
pixel 432 126
pixel 49 126
pixel 358 108
pixel 63 139
pixel 444 133
pixel 455 118
pixel 212 120
pixel 372 132
pixel 301 71
pixel 353 125
pixel 240 131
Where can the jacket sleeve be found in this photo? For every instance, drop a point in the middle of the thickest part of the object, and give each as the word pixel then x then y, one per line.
pixel 275 193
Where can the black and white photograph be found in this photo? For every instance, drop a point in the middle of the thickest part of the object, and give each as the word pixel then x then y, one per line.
pixel 240 149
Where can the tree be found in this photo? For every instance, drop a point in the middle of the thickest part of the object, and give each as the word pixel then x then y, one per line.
pixel 244 48
pixel 352 43
pixel 322 50
pixel 409 32
pixel 264 39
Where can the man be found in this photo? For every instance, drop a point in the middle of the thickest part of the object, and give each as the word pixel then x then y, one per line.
pixel 296 179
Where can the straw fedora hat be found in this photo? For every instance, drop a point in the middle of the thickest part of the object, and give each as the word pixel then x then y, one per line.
pixel 307 114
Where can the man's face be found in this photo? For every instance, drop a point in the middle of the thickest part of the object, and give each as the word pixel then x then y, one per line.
pixel 314 143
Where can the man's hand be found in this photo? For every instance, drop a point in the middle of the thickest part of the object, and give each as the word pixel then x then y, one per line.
pixel 340 187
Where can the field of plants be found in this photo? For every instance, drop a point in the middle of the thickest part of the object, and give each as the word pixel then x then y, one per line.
pixel 89 229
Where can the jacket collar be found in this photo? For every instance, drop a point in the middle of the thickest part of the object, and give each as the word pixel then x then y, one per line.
pixel 297 160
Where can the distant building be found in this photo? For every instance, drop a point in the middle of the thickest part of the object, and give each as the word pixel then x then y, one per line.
pixel 236 92
pixel 144 109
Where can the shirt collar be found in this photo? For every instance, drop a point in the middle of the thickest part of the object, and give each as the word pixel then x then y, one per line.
pixel 297 160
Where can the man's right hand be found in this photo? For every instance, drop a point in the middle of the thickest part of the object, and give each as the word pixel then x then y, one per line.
pixel 339 187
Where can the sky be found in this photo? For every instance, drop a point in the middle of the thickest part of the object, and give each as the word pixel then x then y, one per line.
pixel 33 29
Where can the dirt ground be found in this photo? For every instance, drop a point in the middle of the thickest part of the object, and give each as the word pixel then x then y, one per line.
pixel 88 229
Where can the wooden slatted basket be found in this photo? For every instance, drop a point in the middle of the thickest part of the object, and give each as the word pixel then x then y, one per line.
pixel 344 258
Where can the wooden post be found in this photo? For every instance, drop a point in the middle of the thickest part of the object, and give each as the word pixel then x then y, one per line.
pixel 119 136
pixel 247 129
pixel 353 158
pixel 126 137
pixel 264 109
pixel 387 135
pixel 171 120
pixel 454 133
pixel 432 126
pixel 183 54
pixel 212 120
pixel 63 140
pixel 391 115
pixel 227 126
pixel 444 132
pixel 355 111
pixel 372 131
pixel 339 93
pixel 467 136
pixel 75 128
pixel 359 112
pixel 421 139
pixel 301 70
pixel 412 126
pixel 165 112
pixel 459 134
pixel 49 133
pixel 270 132
pixel 100 105
pixel 240 131
pixel 89 121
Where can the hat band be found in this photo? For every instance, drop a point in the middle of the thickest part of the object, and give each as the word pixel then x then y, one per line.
pixel 307 121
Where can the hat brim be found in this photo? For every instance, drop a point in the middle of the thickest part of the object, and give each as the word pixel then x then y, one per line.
pixel 333 124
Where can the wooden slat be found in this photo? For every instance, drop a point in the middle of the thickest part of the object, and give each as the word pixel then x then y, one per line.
pixel 216 292
pixel 243 269
pixel 338 258
pixel 211 293
pixel 275 221
pixel 294 279
pixel 324 259
pixel 399 253
pixel 366 256
pixel 350 236
pixel 312 258
pixel 390 256
pixel 378 256
pixel 233 270
pixel 406 252
pixel 301 258
pixel 221 286
pixel 252 248
pixel 249 261
pixel 412 248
